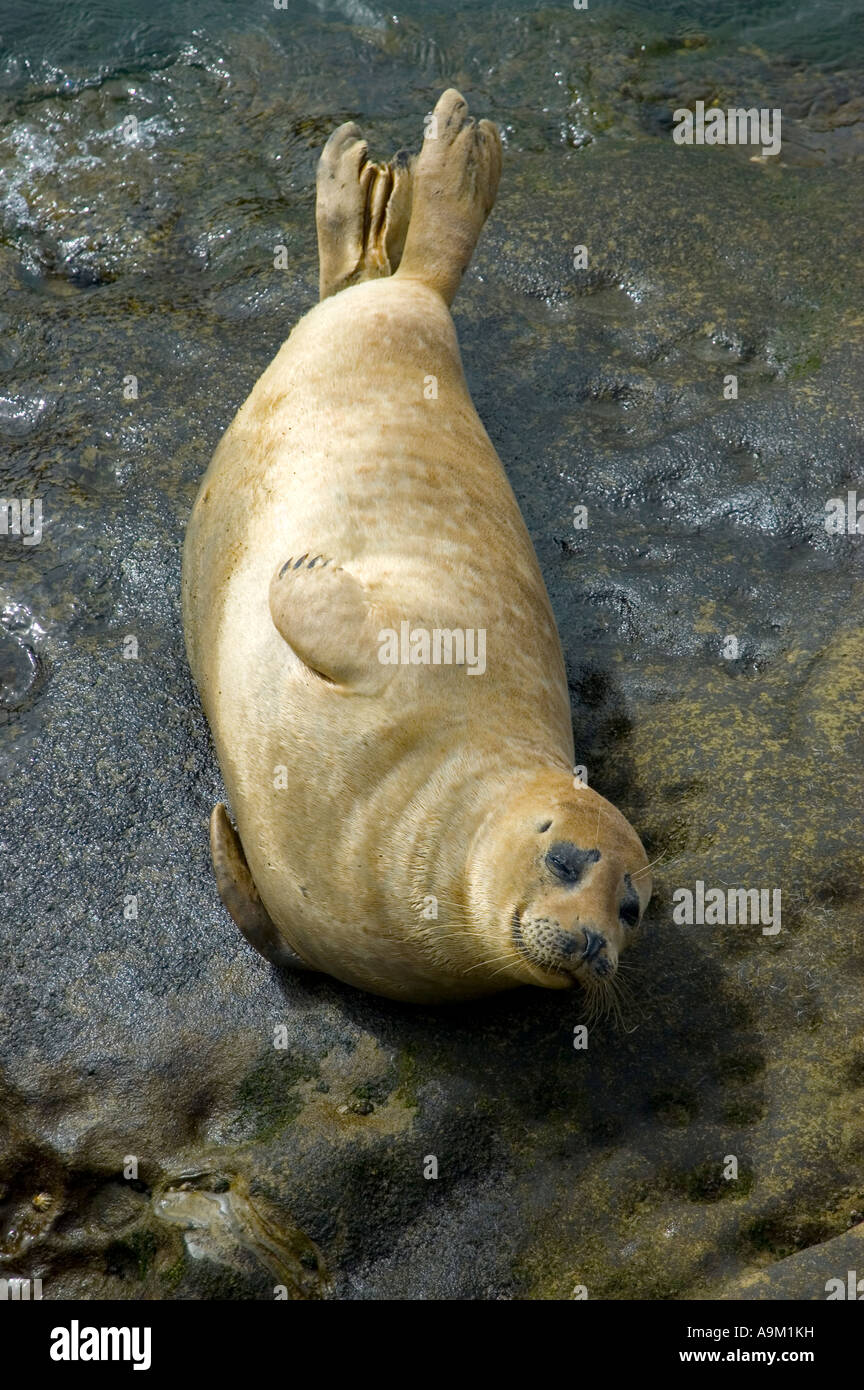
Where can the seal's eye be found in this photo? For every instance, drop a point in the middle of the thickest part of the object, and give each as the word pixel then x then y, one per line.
pixel 541 829
pixel 629 909
pixel 568 862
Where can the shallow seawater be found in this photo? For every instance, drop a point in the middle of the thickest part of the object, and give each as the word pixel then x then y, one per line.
pixel 152 161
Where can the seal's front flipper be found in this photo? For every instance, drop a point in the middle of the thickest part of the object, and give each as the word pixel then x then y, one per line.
pixel 239 894
pixel 326 617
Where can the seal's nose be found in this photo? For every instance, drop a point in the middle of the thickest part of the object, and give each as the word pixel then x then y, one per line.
pixel 594 944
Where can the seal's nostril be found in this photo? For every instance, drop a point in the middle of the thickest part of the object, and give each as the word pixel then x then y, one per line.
pixel 594 944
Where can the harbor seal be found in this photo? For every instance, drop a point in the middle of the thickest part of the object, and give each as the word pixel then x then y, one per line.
pixel 407 816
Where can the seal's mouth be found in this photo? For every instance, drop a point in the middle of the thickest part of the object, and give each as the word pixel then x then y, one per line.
pixel 577 961
pixel 549 966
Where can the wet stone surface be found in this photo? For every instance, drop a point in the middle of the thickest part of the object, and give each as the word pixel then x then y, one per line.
pixel 140 305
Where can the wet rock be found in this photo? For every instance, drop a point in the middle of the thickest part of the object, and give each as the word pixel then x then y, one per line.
pixel 19 671
pixel 226 1229
pixel 470 1152
pixel 832 1270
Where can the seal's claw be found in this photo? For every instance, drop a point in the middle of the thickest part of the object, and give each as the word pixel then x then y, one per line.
pixel 239 894
pixel 326 617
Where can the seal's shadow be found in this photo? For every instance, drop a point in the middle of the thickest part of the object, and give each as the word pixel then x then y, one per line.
pixel 511 1058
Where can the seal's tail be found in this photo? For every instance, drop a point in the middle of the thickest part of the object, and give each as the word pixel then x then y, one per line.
pixel 420 218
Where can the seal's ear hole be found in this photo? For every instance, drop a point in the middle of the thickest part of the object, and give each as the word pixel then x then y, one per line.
pixel 630 910
pixel 543 827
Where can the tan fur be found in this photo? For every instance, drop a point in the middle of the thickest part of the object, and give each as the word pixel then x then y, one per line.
pixel 403 782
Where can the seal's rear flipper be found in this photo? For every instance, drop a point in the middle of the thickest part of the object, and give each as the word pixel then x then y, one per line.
pixel 327 618
pixel 361 211
pixel 239 894
pixel 454 184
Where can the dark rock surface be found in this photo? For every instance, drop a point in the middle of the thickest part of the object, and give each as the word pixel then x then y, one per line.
pixel 154 1139
pixel 833 1270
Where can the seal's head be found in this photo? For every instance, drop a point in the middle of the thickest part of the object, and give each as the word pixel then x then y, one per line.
pixel 566 881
